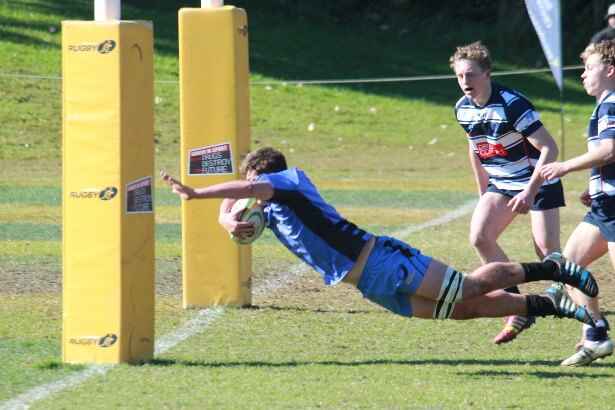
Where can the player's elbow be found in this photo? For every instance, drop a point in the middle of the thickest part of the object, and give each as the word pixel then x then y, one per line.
pixel 554 152
pixel 550 151
pixel 262 190
pixel 609 157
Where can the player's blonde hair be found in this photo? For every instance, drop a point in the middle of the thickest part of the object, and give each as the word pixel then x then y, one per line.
pixel 476 52
pixel 606 50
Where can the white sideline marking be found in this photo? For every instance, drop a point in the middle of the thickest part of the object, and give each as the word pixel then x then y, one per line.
pixel 192 327
pixel 447 217
pixel 25 400
pixel 201 322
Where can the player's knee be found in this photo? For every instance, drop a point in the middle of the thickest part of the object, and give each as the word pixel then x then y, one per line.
pixel 481 241
pixel 480 281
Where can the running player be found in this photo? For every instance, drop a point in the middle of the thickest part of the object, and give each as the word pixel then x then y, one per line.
pixel 595 235
pixel 507 146
pixel 385 270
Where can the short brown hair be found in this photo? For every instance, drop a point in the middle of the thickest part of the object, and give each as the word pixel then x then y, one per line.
pixel 476 51
pixel 265 160
pixel 606 50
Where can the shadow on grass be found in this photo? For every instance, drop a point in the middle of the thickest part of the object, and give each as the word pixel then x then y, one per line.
pixel 607 313
pixel 310 309
pixel 540 374
pixel 426 362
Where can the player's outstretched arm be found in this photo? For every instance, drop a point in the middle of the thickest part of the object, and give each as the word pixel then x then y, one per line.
pixel 232 189
pixel 184 191
pixel 602 155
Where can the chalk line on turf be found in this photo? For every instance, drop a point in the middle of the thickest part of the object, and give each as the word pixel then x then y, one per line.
pixel 463 209
pixel 25 400
pixel 202 321
pixel 192 327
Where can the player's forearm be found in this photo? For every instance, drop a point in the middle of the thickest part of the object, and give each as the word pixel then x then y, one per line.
pixel 547 154
pixel 224 218
pixel 542 140
pixel 226 205
pixel 482 181
pixel 481 176
pixel 236 190
pixel 595 158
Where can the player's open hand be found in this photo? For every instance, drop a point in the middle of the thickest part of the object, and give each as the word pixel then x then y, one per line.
pixel 184 191
pixel 552 170
pixel 521 203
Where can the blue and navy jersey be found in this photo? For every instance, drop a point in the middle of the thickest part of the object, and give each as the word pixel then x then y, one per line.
pixel 602 126
pixel 310 228
pixel 498 134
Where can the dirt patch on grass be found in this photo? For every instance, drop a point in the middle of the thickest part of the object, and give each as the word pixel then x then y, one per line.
pixel 44 275
pixel 37 275
pixel 274 286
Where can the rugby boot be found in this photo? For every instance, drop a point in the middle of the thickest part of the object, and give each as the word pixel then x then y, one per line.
pixel 513 325
pixel 590 351
pixel 566 307
pixel 574 275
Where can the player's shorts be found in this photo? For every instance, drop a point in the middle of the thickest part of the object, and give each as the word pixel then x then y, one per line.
pixel 393 270
pixel 602 214
pixel 549 196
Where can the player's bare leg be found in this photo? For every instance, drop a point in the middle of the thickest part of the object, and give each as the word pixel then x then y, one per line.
pixel 498 275
pixel 448 287
pixel 491 217
pixel 546 232
pixel 586 245
pixel 555 302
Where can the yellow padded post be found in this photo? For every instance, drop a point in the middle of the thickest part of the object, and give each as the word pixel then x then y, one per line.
pixel 107 199
pixel 214 122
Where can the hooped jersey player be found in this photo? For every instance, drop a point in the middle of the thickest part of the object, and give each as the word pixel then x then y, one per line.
pixel 602 125
pixel 498 133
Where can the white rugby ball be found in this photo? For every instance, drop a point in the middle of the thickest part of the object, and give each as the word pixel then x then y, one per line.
pixel 252 212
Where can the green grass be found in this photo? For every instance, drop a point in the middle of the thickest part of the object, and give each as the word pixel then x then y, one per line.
pixel 303 345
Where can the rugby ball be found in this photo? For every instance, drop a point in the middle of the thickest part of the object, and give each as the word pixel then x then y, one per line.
pixel 252 212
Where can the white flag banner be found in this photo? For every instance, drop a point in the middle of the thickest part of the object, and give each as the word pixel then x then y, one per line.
pixel 545 16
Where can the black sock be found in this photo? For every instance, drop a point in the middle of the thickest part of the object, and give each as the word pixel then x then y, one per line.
pixel 535 271
pixel 539 306
pixel 513 289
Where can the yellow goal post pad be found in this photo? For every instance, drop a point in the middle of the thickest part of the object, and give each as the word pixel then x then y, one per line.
pixel 107 192
pixel 215 133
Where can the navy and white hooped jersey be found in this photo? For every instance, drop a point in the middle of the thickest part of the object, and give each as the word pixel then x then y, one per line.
pixel 602 126
pixel 498 134
pixel 310 228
